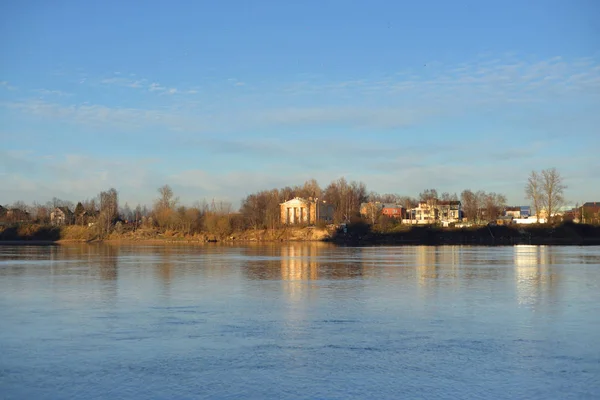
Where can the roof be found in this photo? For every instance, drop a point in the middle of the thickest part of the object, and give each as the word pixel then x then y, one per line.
pixel 65 210
pixel 591 204
pixel 391 205
pixel 374 203
pixel 303 200
pixel 449 203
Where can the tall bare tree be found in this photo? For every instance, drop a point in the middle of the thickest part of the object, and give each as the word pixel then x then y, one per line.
pixel 164 208
pixel 372 211
pixel 166 199
pixel 428 195
pixel 552 188
pixel 109 210
pixel 470 205
pixel 494 204
pixel 533 192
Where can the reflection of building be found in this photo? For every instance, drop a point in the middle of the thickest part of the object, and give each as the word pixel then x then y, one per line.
pixel 305 211
pixel 532 273
pixel 427 264
pixel 298 262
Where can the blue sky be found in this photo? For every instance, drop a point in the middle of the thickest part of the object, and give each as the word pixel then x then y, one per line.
pixel 221 99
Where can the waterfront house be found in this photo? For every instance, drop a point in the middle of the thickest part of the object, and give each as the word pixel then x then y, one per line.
pixel 449 211
pixel 305 211
pixel 426 212
pixel 61 216
pixel 590 212
pixel 392 210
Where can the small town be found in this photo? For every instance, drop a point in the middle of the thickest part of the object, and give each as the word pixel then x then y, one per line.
pixel 337 207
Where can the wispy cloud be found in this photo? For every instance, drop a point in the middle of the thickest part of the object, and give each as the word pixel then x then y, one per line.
pixel 385 102
pixel 156 87
pixel 99 115
pixel 142 84
pixel 58 93
pixel 497 78
pixel 7 86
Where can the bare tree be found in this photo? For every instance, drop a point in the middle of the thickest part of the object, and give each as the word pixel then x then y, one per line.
pixel 40 213
pixel 164 208
pixel 494 204
pixel 372 212
pixel 428 195
pixel 470 205
pixel 109 210
pixel 533 192
pixel 552 189
pixel 166 199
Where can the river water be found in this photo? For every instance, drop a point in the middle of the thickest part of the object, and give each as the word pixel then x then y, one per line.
pixel 299 321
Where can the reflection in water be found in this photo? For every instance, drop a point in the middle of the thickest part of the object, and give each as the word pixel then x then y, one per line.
pixel 108 262
pixel 303 261
pixel 426 263
pixel 534 275
pixel 530 271
pixel 300 262
pixel 259 319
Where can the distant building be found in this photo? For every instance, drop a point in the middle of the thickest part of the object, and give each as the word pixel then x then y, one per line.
pixel 372 210
pixel 368 208
pixel 392 210
pixel 435 211
pixel 15 215
pixel 518 212
pixel 425 213
pixel 305 211
pixel 449 211
pixel 590 212
pixel 61 216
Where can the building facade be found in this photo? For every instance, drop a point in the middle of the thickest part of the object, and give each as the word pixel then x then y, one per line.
pixel 61 216
pixel 305 211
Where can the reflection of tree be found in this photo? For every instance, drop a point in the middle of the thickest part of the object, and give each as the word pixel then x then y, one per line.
pixel 108 256
pixel 164 269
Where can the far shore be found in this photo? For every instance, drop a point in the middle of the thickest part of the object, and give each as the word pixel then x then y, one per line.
pixel 358 234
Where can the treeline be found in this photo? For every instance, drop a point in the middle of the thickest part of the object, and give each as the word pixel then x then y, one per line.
pixel 260 210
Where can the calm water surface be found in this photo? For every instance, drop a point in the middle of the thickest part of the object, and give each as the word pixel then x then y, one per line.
pixel 300 321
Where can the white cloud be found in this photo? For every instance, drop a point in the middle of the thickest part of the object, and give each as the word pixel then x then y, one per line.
pixel 7 86
pixel 134 118
pixel 155 87
pixel 58 93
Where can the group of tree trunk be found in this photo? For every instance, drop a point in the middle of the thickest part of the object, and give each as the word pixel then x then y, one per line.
pixel 545 189
pixel 481 206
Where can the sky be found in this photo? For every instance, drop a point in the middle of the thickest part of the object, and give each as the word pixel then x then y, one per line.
pixel 220 99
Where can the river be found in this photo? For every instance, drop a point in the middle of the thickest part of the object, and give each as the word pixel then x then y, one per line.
pixel 299 321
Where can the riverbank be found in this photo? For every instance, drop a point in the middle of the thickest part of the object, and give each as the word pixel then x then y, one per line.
pixel 354 235
pixel 40 234
pixel 563 234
